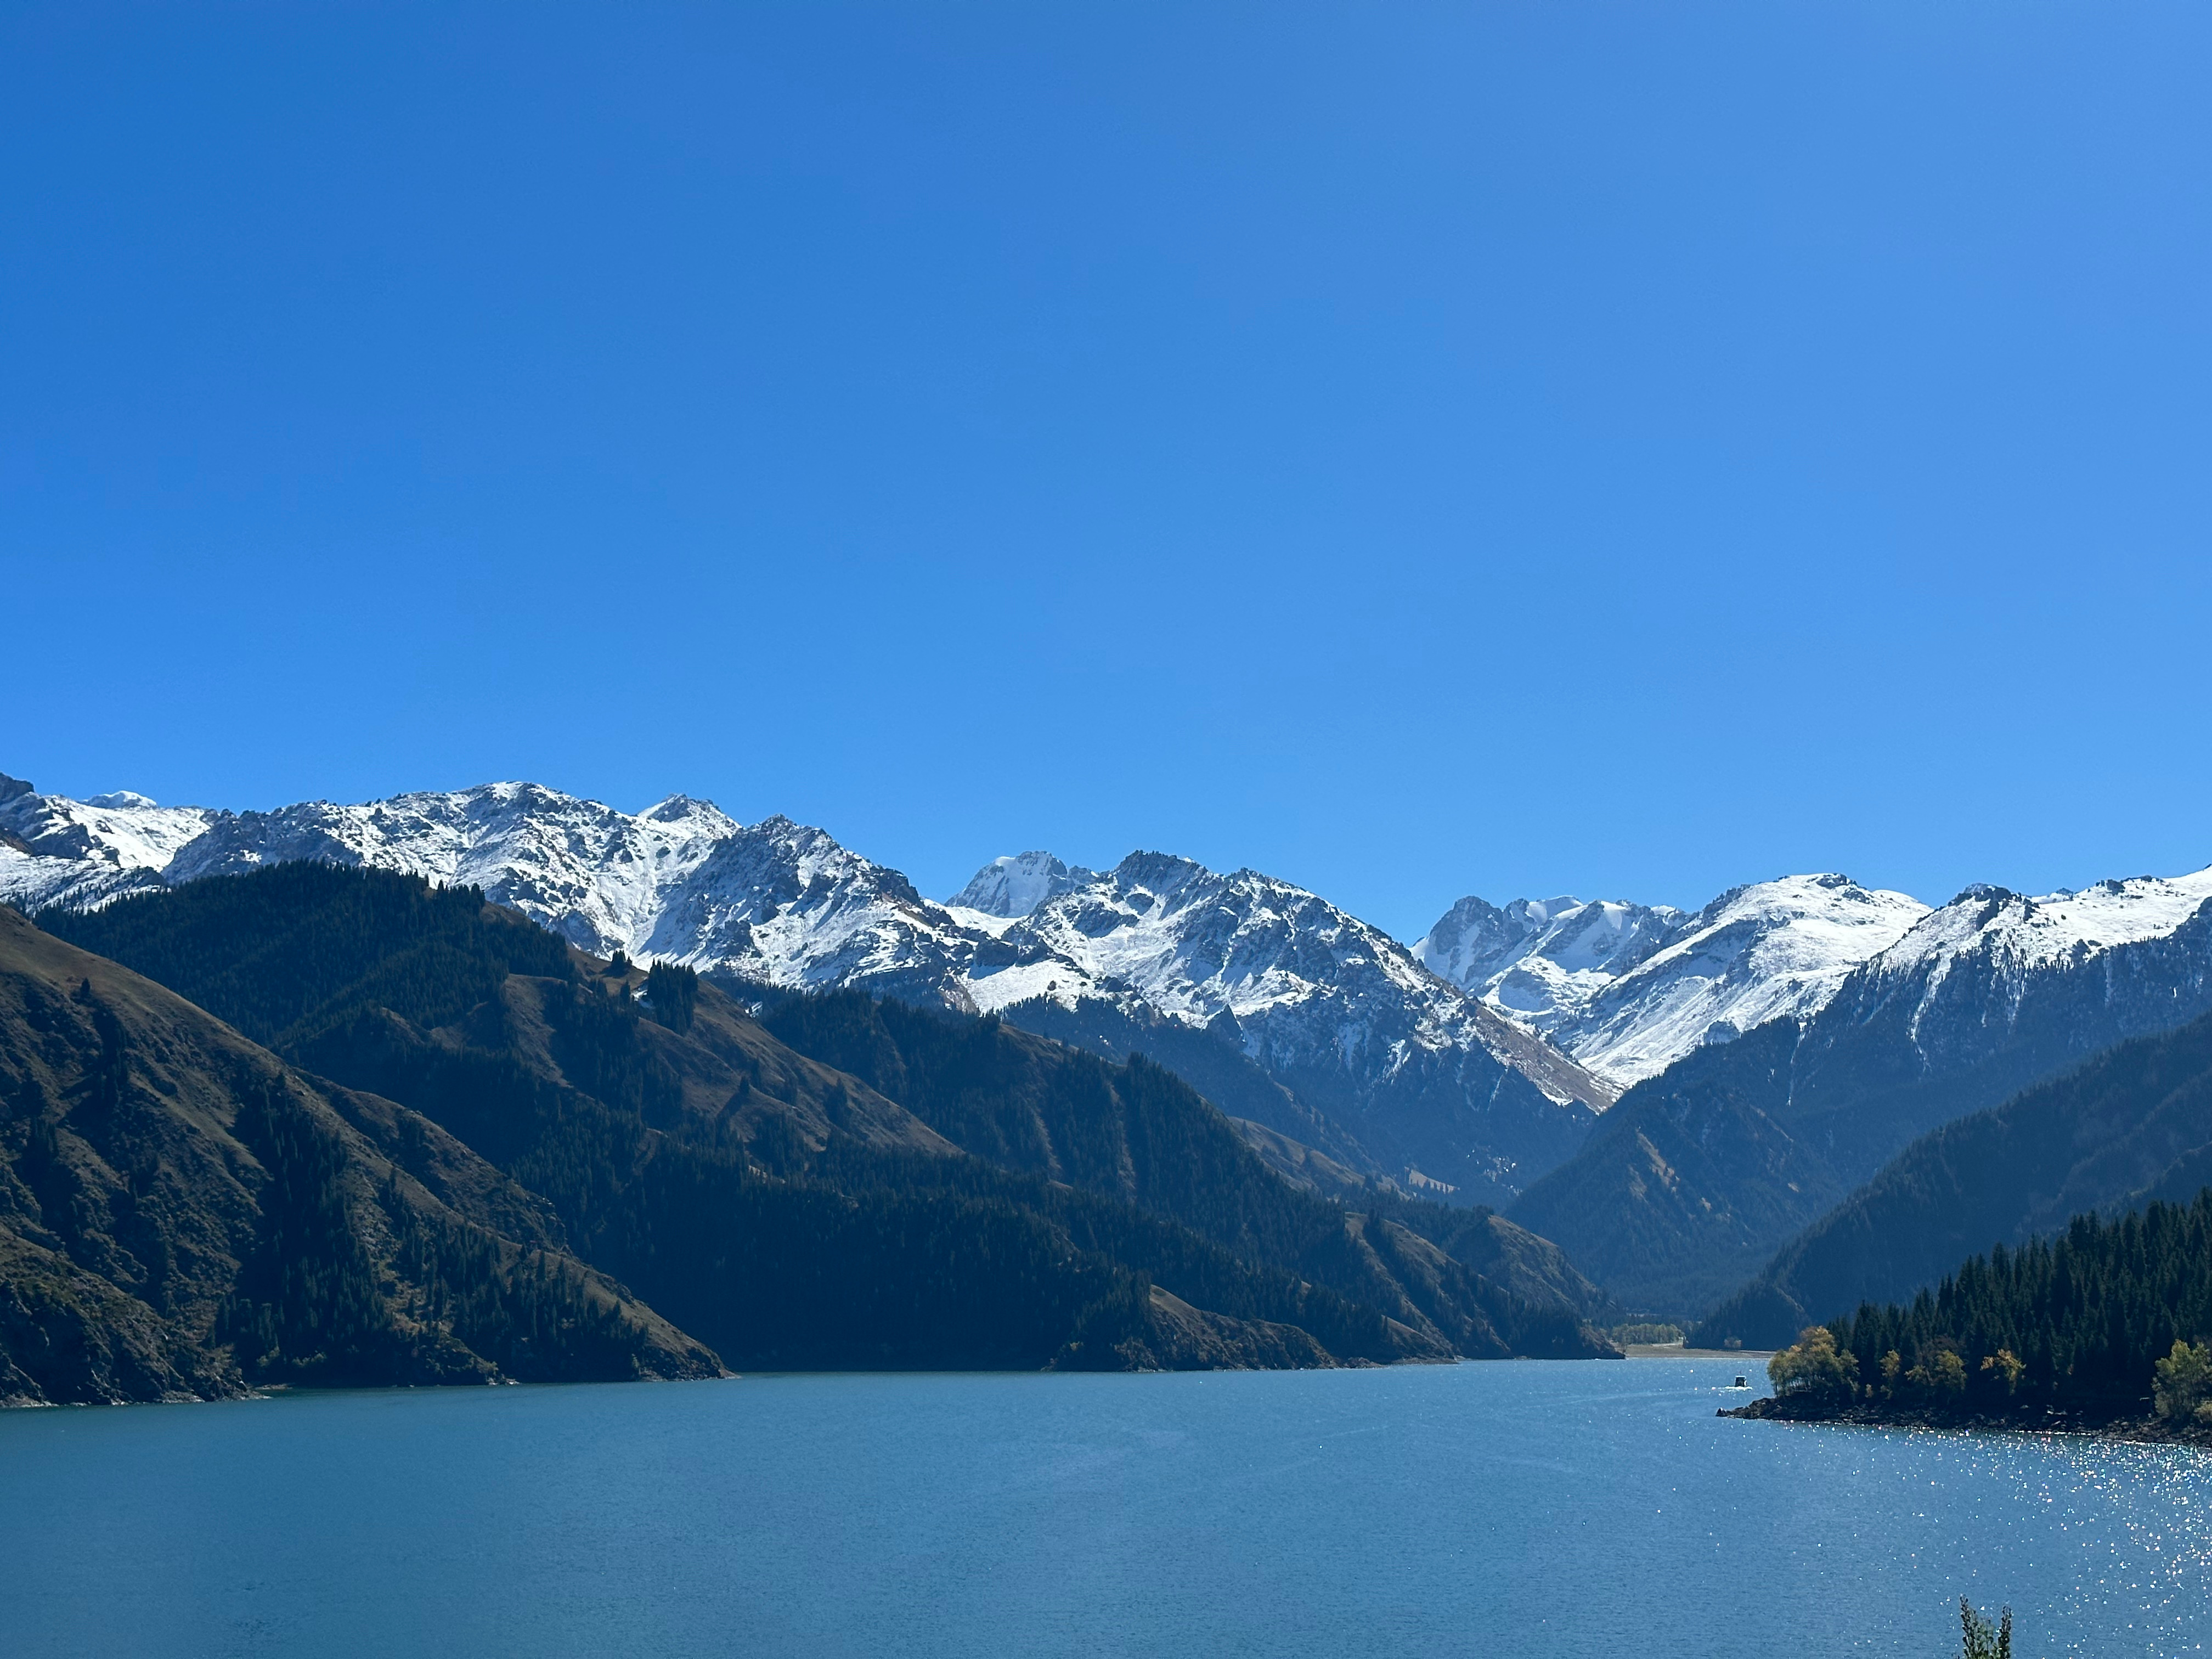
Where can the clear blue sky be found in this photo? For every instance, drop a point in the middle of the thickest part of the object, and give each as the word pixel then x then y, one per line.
pixel 1413 450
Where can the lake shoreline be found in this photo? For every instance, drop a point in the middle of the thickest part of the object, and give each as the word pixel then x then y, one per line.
pixel 2027 1419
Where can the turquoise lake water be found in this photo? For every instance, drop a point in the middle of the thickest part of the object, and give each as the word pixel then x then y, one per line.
pixel 1505 1509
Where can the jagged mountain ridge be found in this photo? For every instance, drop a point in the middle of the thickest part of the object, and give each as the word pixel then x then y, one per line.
pixel 1698 1176
pixel 1622 989
pixel 1629 989
pixel 1309 992
pixel 1009 888
pixel 680 880
pixel 1437 1086
pixel 1541 961
pixel 58 851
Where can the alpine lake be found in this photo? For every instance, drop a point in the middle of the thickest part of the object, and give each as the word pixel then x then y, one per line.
pixel 1503 1509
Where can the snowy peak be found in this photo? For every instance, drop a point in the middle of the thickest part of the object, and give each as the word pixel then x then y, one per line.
pixel 124 829
pixel 2061 928
pixel 785 903
pixel 1542 961
pixel 1434 1085
pixel 1309 989
pixel 685 814
pixel 1755 953
pixel 596 875
pixel 1983 962
pixel 1797 923
pixel 54 850
pixel 1628 989
pixel 1146 875
pixel 1013 886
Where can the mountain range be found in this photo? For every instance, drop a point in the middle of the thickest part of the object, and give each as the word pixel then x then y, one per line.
pixel 1670 1096
pixel 1621 989
pixel 322 1125
pixel 1438 1089
pixel 1629 989
pixel 1699 1175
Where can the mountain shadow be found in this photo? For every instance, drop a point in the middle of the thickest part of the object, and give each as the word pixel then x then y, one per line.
pixel 1137 1132
pixel 2133 1125
pixel 185 1216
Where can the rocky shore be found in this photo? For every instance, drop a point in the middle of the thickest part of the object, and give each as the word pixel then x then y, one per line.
pixel 2136 1424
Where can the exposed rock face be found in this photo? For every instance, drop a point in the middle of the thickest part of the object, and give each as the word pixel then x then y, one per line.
pixel 1013 886
pixel 1630 989
pixel 1422 1077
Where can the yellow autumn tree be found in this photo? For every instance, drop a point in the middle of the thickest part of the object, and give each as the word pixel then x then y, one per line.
pixel 1812 1366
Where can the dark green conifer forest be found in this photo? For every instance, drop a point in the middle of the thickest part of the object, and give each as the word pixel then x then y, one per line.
pixel 2078 1324
pixel 841 1183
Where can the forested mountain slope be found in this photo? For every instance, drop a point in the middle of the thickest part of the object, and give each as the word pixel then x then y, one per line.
pixel 790 1211
pixel 1211 1058
pixel 782 1207
pixel 182 1215
pixel 1137 1132
pixel 2134 1124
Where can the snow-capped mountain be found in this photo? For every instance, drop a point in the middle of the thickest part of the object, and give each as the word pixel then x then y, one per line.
pixel 1629 989
pixel 1542 961
pixel 775 902
pixel 1427 1077
pixel 58 851
pixel 2063 974
pixel 600 877
pixel 787 905
pixel 1335 1009
pixel 1007 889
pixel 1753 955
pixel 1703 1171
pixel 1995 990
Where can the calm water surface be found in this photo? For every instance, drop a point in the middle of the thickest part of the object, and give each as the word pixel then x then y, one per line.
pixel 1517 1509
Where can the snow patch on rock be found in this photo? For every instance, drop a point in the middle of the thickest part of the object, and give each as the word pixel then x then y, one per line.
pixel 1013 885
pixel 1628 989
